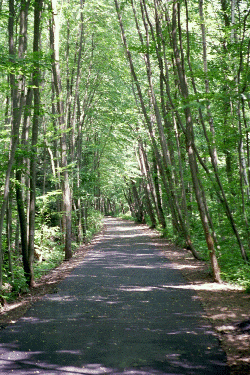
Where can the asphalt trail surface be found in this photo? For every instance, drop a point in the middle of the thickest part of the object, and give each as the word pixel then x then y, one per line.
pixel 122 311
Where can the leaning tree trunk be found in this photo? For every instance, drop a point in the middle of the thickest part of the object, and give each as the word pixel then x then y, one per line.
pixel 151 186
pixel 66 192
pixel 211 145
pixel 177 214
pixel 176 224
pixel 138 206
pixel 149 202
pixel 190 150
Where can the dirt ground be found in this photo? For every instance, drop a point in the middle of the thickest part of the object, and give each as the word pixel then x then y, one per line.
pixel 225 305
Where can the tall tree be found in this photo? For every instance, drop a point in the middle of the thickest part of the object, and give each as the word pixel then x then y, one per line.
pixel 35 128
pixel 17 86
pixel 67 204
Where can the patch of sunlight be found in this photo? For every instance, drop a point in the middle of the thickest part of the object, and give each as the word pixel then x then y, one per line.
pixel 91 369
pixel 113 302
pixel 30 319
pixel 223 316
pixel 205 286
pixel 76 352
pixel 131 235
pixel 246 360
pixel 120 236
pixel 62 298
pixel 176 360
pixel 11 307
pixel 132 266
pixel 121 229
pixel 225 328
pixel 109 236
pixel 16 355
pixel 183 266
pixel 146 254
pixel 97 369
pixel 96 298
pixel 138 289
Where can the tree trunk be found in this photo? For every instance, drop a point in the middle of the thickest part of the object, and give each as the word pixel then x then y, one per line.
pixel 190 150
pixel 54 41
pixel 17 97
pixel 168 158
pixel 162 219
pixel 147 200
pixel 138 207
pixel 151 187
pixel 211 147
pixel 23 163
pixel 35 127
pixel 9 236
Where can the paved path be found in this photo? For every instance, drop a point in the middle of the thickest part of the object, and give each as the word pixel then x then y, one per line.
pixel 119 312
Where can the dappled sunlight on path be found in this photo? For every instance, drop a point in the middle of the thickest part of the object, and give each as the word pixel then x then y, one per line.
pixel 124 310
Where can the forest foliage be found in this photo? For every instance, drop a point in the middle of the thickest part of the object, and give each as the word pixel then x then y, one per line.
pixel 138 108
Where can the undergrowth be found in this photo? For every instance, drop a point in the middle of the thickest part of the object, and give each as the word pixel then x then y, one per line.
pixel 126 216
pixel 234 269
pixel 49 253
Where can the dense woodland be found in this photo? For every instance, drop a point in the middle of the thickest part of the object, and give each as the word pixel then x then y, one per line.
pixel 134 108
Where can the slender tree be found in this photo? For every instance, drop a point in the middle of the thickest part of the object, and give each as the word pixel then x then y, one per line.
pixel 54 42
pixel 35 128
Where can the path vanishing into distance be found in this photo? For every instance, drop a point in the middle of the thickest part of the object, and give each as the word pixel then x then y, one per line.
pixel 122 311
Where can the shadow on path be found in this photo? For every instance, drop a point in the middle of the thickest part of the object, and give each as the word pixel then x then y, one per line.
pixel 122 311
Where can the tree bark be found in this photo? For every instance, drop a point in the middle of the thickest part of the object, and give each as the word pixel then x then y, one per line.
pixel 138 207
pixel 35 127
pixel 190 150
pixel 147 199
pixel 151 185
pixel 9 236
pixel 211 145
pixel 54 41
pixel 17 97
pixel 167 159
